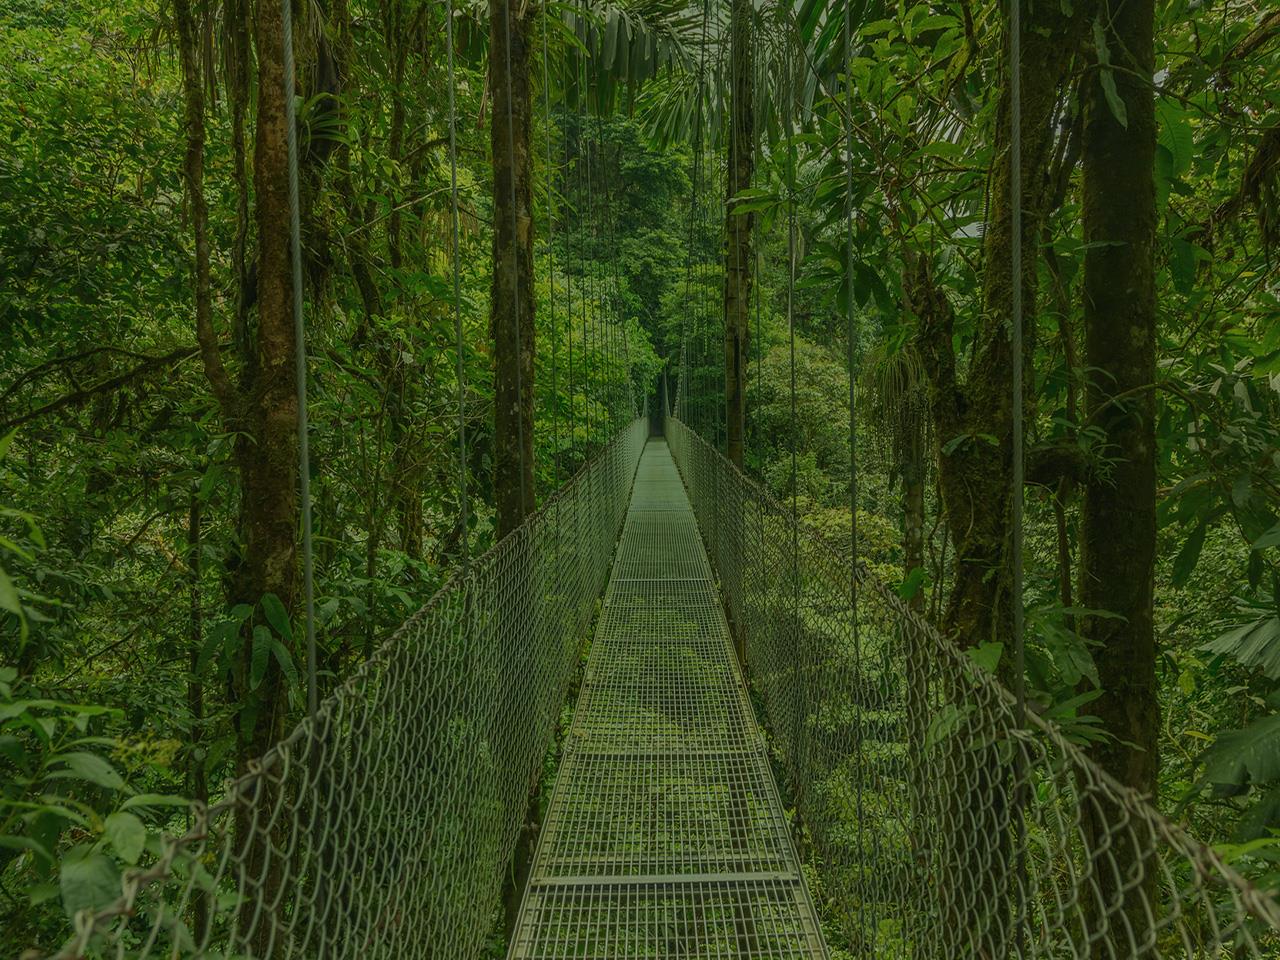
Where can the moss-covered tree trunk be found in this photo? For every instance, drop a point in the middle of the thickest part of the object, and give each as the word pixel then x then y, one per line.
pixel 1118 522
pixel 974 471
pixel 269 462
pixel 973 429
pixel 738 232
pixel 511 303
pixel 261 407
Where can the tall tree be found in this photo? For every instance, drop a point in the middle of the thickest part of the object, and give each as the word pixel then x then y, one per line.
pixel 972 419
pixel 1118 530
pixel 511 329
pixel 738 230
pixel 262 408
pixel 973 433
pixel 511 302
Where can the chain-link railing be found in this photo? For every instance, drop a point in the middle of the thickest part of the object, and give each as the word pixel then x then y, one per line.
pixel 383 827
pixel 939 824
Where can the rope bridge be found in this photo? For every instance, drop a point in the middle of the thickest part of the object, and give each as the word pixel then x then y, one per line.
pixel 665 836
pixel 931 823
pixel 926 811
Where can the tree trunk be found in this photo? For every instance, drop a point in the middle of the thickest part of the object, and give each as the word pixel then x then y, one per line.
pixel 267 456
pixel 974 476
pixel 511 301
pixel 738 232
pixel 511 328
pixel 262 408
pixel 973 430
pixel 269 462
pixel 1118 522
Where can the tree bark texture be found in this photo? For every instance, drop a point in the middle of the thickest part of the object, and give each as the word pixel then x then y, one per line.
pixel 269 461
pixel 511 325
pixel 511 310
pixel 1118 520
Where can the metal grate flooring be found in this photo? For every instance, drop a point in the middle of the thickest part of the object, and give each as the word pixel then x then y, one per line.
pixel 665 837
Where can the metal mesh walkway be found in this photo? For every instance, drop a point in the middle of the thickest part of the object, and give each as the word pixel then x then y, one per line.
pixel 665 837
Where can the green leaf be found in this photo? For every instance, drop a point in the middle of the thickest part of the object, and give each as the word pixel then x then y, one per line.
pixel 127 835
pixel 1175 134
pixel 1251 755
pixel 912 584
pixel 9 601
pixel 42 893
pixel 26 843
pixel 1255 645
pixel 1067 708
pixel 1242 490
pixel 945 722
pixel 88 883
pixel 277 616
pixel 91 768
pixel 986 655
pixel 155 800
pixel 1259 819
pixel 262 641
pixel 215 636
pixel 1269 539
pixel 283 657
pixel 1185 563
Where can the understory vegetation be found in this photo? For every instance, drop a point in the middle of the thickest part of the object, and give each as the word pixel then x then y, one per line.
pixel 151 606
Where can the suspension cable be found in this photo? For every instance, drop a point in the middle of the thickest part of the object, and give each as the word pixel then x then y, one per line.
pixel 1015 337
pixel 619 305
pixel 791 283
pixel 851 333
pixel 588 288
pixel 300 356
pixel 589 339
pixel 551 253
pixel 517 340
pixel 461 370
pixel 694 206
pixel 1015 331
pixel 791 335
pixel 571 223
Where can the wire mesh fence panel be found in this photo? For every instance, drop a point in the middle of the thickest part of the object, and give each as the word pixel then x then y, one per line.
pixel 383 826
pixel 941 824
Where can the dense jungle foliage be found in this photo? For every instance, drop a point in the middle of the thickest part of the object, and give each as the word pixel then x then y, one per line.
pixel 149 601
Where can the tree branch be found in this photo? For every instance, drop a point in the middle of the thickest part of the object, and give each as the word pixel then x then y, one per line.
pixel 149 366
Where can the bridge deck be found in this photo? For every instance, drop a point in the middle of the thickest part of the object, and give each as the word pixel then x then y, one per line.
pixel 665 837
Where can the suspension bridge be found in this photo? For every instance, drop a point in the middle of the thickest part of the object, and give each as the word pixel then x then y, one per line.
pixel 769 755
pixel 898 808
